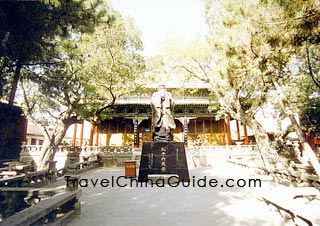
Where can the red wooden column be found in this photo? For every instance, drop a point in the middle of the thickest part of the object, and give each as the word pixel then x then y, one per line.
pixel 229 132
pixel 81 133
pixel 238 130
pixel 246 139
pixel 312 140
pixel 91 135
pixel 223 134
pixel 96 133
pixel 107 140
pixel 74 137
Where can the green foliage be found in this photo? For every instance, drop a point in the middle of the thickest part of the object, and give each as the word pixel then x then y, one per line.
pixel 28 31
pixel 33 25
pixel 178 65
pixel 3 80
pixel 90 72
pixel 297 26
pixel 113 65
pixel 255 44
pixel 235 73
pixel 73 59
pixel 310 115
pixel 55 90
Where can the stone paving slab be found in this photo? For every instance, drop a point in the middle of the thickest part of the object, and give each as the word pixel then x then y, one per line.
pixel 187 206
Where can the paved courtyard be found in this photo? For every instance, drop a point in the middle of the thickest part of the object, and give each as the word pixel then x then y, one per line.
pixel 187 206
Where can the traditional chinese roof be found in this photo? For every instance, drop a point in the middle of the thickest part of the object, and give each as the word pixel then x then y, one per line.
pixel 188 101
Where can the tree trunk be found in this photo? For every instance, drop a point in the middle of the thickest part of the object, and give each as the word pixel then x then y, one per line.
pixel 51 144
pixel 43 155
pixel 14 85
pixel 305 145
pixel 268 154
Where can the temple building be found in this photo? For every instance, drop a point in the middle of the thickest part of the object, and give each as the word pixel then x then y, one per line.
pixel 130 122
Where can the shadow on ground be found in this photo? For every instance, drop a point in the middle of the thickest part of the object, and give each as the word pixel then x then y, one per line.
pixel 187 206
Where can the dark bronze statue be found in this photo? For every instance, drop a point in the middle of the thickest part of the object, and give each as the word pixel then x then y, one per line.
pixel 163 155
pixel 162 115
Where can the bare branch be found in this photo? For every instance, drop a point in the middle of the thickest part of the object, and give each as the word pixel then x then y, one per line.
pixel 251 46
pixel 294 19
pixel 314 78
pixel 113 100
pixel 202 68
pixel 194 74
pixel 40 63
pixel 30 108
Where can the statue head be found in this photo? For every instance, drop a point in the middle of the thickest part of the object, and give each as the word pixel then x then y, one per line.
pixel 162 90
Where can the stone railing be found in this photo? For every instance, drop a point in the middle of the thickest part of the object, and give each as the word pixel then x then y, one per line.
pixel 15 178
pixel 116 156
pixel 89 153
pixel 66 155
pixel 36 206
pixel 211 155
pixel 23 203
pixel 80 167
pixel 294 175
pixel 16 199
pixel 28 179
pixel 63 156
pixel 224 148
pixel 250 157
pixel 36 149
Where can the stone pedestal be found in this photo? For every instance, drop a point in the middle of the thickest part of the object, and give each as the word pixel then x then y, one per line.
pixel 163 158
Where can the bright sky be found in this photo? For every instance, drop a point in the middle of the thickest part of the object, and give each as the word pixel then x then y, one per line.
pixel 157 19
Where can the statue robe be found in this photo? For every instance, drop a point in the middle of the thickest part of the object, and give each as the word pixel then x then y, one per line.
pixel 162 112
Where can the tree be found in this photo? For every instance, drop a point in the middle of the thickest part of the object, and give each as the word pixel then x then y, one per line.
pixel 51 96
pixel 90 70
pixel 28 31
pixel 222 64
pixel 257 58
pixel 227 63
pixel 281 60
pixel 310 115
pixel 302 20
pixel 114 64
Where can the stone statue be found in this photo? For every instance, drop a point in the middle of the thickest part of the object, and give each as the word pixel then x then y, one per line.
pixel 162 115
